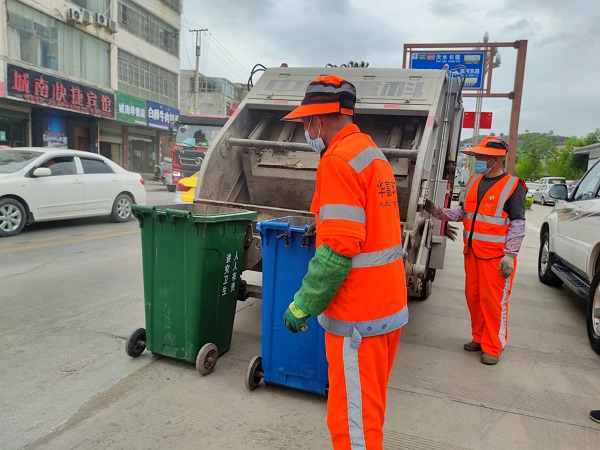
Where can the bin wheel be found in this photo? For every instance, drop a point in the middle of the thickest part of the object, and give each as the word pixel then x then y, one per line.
pixel 254 373
pixel 136 343
pixel 207 359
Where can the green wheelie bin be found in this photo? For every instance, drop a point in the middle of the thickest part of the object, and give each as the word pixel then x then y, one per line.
pixel 192 260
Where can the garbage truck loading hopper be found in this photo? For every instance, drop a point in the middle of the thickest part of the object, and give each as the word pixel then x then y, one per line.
pixel 261 163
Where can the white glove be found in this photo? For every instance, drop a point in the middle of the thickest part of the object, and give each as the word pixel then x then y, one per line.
pixel 507 265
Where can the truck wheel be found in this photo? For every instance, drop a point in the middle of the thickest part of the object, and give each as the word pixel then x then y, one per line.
pixel 12 217
pixel 425 289
pixel 545 261
pixel 121 210
pixel 593 313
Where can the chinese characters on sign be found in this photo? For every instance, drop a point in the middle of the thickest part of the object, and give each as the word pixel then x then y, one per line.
pixel 472 62
pixel 230 274
pixel 131 109
pixel 47 90
pixel 161 116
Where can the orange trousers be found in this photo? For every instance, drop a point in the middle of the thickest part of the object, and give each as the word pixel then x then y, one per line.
pixel 358 380
pixel 487 298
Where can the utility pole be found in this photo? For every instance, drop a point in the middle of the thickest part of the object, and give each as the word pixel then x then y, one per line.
pixel 197 72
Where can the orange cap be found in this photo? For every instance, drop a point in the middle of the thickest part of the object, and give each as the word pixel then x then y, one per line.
pixel 490 146
pixel 326 95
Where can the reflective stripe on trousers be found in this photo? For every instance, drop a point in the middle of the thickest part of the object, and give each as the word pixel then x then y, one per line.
pixel 358 379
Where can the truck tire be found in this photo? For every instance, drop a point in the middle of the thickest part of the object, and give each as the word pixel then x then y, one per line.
pixel 593 322
pixel 545 261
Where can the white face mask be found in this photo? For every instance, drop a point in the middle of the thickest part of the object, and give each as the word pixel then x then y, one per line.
pixel 317 145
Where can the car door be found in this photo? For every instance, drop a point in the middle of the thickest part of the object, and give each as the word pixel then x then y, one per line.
pixel 586 198
pixel 59 195
pixel 101 186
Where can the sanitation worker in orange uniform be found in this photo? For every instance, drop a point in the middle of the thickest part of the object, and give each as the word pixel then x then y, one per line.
pixel 493 217
pixel 355 283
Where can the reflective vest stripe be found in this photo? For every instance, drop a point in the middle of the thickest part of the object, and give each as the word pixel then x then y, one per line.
pixel 353 389
pixel 485 237
pixel 379 258
pixel 342 212
pixel 472 182
pixel 508 187
pixel 364 329
pixel 488 219
pixel 324 89
pixel 504 313
pixel 361 161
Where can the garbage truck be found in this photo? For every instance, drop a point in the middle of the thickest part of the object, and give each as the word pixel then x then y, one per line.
pixel 258 162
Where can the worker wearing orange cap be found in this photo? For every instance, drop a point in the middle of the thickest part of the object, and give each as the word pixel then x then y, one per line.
pixel 493 216
pixel 355 282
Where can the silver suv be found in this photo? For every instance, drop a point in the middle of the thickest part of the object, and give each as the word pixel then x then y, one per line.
pixel 570 245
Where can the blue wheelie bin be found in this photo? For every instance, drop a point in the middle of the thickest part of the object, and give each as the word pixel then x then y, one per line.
pixel 294 360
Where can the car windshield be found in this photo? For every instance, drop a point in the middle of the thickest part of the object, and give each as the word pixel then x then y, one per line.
pixel 532 186
pixel 13 160
pixel 200 135
pixel 556 181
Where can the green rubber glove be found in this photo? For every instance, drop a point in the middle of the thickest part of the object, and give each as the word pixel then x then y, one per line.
pixel 326 272
pixel 295 319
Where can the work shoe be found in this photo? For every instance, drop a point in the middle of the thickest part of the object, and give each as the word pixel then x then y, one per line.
pixel 488 359
pixel 472 346
pixel 595 415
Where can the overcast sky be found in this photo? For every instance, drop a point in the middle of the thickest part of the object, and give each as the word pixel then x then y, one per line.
pixel 562 75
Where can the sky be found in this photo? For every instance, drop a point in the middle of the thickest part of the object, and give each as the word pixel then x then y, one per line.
pixel 561 91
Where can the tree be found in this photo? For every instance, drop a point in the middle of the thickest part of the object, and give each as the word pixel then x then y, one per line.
pixel 535 150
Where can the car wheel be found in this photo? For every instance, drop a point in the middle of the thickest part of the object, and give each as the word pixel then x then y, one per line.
pixel 593 313
pixel 122 210
pixel 12 217
pixel 545 261
pixel 543 201
pixel 171 187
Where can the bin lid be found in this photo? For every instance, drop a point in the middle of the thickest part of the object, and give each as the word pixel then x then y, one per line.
pixel 198 213
pixel 299 223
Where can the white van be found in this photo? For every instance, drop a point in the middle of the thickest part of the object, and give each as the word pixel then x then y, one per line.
pixel 553 180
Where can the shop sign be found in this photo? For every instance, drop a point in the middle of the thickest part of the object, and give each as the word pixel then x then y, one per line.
pixel 131 109
pixel 161 116
pixel 47 90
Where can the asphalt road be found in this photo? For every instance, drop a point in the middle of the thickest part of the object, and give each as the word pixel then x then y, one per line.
pixel 71 292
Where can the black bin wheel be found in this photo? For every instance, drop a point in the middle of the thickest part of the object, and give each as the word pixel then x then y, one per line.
pixel 207 358
pixel 136 343
pixel 254 373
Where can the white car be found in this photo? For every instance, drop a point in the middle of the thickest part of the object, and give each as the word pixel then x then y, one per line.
pixel 531 188
pixel 43 184
pixel 570 245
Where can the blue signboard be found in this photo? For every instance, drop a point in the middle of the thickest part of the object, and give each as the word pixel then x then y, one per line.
pixel 160 116
pixel 472 61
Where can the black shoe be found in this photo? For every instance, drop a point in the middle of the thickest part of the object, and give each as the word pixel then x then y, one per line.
pixel 595 415
pixel 472 346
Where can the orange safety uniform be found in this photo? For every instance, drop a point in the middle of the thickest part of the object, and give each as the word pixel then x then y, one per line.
pixel 356 210
pixel 485 230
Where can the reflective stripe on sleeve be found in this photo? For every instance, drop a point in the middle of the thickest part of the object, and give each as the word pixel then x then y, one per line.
pixel 484 237
pixel 361 161
pixel 342 212
pixel 379 258
pixel 367 328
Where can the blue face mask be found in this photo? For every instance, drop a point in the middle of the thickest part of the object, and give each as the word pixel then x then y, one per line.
pixel 481 167
pixel 317 145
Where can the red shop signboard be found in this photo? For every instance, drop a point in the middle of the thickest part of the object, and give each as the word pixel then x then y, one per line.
pixel 47 90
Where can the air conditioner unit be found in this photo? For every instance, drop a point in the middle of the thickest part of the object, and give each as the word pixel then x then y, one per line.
pixel 102 20
pixel 88 16
pixel 113 26
pixel 75 15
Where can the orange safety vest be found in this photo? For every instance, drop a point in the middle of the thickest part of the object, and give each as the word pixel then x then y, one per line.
pixel 356 210
pixel 486 223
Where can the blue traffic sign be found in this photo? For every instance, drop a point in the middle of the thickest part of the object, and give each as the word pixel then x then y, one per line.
pixel 472 61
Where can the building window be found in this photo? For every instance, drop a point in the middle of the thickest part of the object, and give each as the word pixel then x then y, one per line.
pixel 175 5
pixel 95 6
pixel 43 41
pixel 145 25
pixel 146 80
